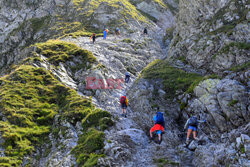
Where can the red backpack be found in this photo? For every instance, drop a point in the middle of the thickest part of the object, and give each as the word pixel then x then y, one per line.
pixel 123 99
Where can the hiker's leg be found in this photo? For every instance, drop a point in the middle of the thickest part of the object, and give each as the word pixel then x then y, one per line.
pixel 126 79
pixel 159 136
pixel 189 133
pixel 195 134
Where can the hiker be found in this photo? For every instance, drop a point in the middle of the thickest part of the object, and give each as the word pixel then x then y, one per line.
pixel 93 37
pixel 192 125
pixel 127 76
pixel 105 33
pixel 117 31
pixel 145 32
pixel 159 125
pixel 124 105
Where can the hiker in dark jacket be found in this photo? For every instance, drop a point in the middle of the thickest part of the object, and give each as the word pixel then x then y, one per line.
pixel 192 126
pixel 145 31
pixel 127 76
pixel 159 124
pixel 93 37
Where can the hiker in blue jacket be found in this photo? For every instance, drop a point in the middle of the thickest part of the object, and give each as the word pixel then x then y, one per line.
pixel 105 33
pixel 192 126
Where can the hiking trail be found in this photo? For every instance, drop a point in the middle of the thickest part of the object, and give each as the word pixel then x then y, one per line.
pixel 126 140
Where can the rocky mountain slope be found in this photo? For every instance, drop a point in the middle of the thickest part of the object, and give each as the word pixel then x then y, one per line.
pixel 212 35
pixel 195 60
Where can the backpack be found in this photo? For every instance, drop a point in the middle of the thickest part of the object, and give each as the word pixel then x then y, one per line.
pixel 123 99
pixel 159 119
pixel 193 121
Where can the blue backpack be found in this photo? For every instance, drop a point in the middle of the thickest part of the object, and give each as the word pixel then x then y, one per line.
pixel 193 121
pixel 160 119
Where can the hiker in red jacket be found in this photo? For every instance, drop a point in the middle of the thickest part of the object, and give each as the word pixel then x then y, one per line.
pixel 159 124
pixel 124 105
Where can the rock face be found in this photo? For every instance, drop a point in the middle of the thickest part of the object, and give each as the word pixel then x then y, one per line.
pixel 213 35
pixel 225 100
pixel 158 11
pixel 27 22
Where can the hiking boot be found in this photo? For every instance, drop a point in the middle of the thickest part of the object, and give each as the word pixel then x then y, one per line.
pixel 187 142
pixel 125 115
pixel 159 142
pixel 196 139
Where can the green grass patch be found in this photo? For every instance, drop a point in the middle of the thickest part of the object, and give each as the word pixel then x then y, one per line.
pixel 30 98
pixel 127 40
pixel 95 119
pixel 60 51
pixel 173 78
pixel 239 45
pixel 242 67
pixel 39 23
pixel 196 82
pixel 228 29
pixel 183 59
pixel 232 103
pixel 161 3
pixel 88 143
pixel 183 105
pixel 161 162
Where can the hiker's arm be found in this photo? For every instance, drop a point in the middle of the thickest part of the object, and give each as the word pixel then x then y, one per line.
pixel 201 121
pixel 186 124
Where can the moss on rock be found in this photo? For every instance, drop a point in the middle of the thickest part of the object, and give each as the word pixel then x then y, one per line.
pixel 30 98
pixel 94 118
pixel 88 143
pixel 61 51
pixel 173 79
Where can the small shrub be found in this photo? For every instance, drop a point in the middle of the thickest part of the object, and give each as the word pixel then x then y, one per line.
pixel 88 143
pixel 93 118
pixel 242 67
pixel 127 40
pixel 232 103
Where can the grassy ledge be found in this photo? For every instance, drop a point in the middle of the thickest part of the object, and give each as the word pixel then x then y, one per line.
pixel 30 98
pixel 60 51
pixel 173 79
